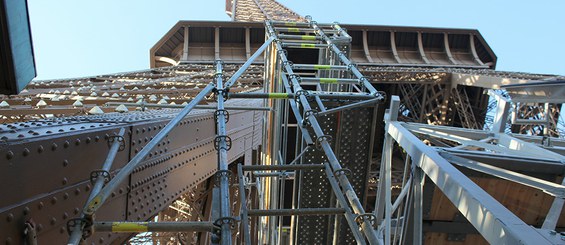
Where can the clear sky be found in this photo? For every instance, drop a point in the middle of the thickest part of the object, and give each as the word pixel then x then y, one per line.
pixel 89 37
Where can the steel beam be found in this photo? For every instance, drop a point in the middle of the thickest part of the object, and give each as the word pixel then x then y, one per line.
pixel 495 223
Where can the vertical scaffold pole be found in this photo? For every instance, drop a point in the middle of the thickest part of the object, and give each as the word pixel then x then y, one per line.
pixel 222 143
pixel 100 177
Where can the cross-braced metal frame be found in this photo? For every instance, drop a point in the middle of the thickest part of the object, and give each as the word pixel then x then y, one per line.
pixel 316 97
pixel 434 151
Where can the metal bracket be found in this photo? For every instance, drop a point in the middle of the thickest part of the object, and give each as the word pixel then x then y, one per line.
pixel 222 112
pixel 322 138
pixel 94 175
pixel 85 226
pixel 119 138
pixel 218 139
pixel 30 232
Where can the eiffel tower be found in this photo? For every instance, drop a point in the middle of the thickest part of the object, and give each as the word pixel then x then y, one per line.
pixel 273 128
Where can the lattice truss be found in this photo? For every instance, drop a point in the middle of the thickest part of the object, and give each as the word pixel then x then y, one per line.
pixel 167 86
pixel 261 10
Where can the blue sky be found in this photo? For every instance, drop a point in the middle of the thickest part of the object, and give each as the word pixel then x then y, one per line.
pixel 90 37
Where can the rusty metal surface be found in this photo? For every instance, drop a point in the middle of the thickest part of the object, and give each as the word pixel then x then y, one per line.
pixel 168 85
pixel 49 162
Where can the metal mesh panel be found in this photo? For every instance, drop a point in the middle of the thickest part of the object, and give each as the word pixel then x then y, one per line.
pixel 352 135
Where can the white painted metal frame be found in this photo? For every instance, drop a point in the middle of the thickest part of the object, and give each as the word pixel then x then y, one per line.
pixel 494 222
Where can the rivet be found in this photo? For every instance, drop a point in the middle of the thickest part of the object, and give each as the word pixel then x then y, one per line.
pixel 65 163
pixel 54 146
pixel 66 196
pixel 26 211
pixel 53 221
pixel 40 205
pixel 66 144
pixel 77 142
pixel 40 149
pixel 88 139
pixel 64 181
pixel 54 200
pixel 10 217
pixel 39 227
pixel 77 191
pixel 62 230
pixel 76 210
pixel 65 215
pixel 9 155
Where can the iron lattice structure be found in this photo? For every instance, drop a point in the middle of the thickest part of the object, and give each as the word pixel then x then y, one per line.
pixel 292 115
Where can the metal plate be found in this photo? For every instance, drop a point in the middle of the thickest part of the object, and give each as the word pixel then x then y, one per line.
pixel 352 141
pixel 49 162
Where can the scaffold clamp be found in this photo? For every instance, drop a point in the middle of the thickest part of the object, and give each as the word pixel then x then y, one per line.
pixel 84 224
pixel 227 220
pixel 322 138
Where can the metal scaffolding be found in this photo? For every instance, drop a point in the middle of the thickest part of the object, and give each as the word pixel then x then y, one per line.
pixel 277 134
